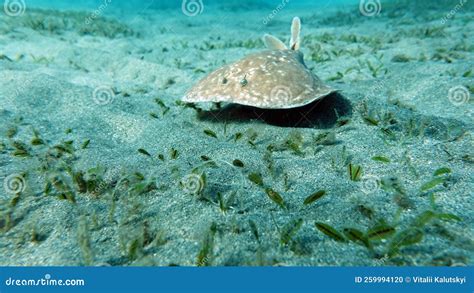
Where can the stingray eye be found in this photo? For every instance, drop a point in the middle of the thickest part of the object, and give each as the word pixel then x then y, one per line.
pixel 244 81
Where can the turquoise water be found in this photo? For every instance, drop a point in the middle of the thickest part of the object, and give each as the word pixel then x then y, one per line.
pixel 102 163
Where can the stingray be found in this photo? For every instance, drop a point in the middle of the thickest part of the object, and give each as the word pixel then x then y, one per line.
pixel 276 78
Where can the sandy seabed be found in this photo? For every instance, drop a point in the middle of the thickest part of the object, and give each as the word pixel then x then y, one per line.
pixel 101 163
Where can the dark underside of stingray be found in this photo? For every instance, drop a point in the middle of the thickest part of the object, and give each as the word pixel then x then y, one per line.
pixel 322 113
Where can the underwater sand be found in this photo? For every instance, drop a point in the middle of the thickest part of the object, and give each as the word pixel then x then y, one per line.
pixel 117 81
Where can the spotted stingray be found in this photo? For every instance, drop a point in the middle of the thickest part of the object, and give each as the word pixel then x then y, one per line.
pixel 272 79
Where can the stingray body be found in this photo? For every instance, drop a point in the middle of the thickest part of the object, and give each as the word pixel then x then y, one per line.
pixel 273 79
